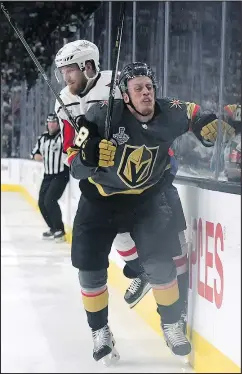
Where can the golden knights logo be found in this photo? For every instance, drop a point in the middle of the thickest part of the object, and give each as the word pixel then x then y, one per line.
pixel 137 164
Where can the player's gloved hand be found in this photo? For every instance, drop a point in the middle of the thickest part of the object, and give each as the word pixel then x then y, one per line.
pixel 97 152
pixel 205 127
pixel 86 128
pixel 210 131
pixel 107 152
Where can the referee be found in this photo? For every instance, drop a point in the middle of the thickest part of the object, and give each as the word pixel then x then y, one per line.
pixel 48 149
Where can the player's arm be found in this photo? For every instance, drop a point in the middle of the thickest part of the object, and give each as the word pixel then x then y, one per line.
pixel 68 133
pixel 94 151
pixel 205 125
pixel 36 154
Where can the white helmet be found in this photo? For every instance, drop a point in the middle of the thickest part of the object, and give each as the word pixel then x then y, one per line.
pixel 77 52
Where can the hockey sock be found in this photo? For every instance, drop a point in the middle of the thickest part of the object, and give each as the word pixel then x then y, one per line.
pixel 95 297
pixel 169 313
pixel 167 299
pixel 180 305
pixel 96 306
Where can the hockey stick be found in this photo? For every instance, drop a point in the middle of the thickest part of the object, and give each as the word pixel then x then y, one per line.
pixel 83 132
pixel 113 83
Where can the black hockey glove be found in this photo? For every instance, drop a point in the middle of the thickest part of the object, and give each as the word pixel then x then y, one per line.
pixel 95 151
pixel 205 128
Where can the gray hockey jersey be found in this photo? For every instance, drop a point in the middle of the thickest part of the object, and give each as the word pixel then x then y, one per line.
pixel 142 152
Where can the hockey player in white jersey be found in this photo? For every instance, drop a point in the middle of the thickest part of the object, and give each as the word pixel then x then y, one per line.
pixel 77 66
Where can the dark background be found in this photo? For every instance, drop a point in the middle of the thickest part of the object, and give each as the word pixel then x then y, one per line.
pixel 44 25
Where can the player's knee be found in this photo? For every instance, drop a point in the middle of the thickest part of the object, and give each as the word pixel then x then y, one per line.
pixel 92 279
pixel 160 272
pixel 162 278
pixel 94 289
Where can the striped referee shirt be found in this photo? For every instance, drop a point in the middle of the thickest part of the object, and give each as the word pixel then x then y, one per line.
pixel 50 148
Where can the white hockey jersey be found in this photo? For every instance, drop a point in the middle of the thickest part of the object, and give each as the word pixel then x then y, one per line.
pixel 77 105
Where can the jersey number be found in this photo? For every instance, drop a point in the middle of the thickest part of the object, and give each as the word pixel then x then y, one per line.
pixel 82 136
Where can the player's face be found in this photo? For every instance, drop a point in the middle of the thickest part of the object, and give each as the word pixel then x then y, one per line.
pixel 142 94
pixel 74 78
pixel 53 126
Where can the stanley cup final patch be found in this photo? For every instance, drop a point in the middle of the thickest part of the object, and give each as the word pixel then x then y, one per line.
pixel 121 137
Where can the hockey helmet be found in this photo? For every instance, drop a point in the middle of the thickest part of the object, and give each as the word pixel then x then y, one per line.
pixel 52 117
pixel 53 128
pixel 135 69
pixel 77 52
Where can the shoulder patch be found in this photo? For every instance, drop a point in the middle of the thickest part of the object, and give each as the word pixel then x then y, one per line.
pixel 175 103
pixel 172 102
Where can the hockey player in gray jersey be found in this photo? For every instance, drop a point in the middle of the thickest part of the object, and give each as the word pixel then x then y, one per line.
pixel 78 66
pixel 123 186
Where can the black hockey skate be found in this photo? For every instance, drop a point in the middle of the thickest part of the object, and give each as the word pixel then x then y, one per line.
pixel 48 235
pixel 182 321
pixel 104 349
pixel 137 290
pixel 175 339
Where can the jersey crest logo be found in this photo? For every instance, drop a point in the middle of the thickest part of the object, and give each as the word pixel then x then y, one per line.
pixel 175 103
pixel 121 137
pixel 136 165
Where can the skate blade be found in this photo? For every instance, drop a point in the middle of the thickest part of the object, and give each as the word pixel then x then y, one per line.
pixel 185 360
pixel 146 290
pixel 185 364
pixel 50 238
pixel 111 358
